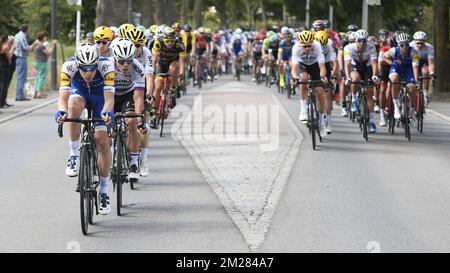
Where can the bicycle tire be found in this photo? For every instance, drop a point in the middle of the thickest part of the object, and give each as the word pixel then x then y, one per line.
pixel 312 123
pixel 420 111
pixel 406 121
pixel 83 182
pixel 365 117
pixel 162 115
pixel 118 179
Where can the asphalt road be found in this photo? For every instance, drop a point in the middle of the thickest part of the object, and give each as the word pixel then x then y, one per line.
pixel 215 194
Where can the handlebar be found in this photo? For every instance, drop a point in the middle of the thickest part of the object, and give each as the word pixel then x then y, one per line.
pixel 85 122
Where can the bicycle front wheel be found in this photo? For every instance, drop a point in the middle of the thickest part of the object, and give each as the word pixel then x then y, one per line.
pixel 84 178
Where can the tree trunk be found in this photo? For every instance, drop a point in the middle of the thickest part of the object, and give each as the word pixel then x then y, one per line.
pixel 441 35
pixel 147 13
pixel 165 12
pixel 285 14
pixel 249 10
pixel 198 18
pixel 222 10
pixel 263 9
pixel 106 16
pixel 184 11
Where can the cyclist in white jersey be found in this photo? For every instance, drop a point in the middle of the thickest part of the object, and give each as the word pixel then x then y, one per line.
pixel 332 67
pixel 426 59
pixel 361 63
pixel 144 56
pixel 308 62
pixel 129 97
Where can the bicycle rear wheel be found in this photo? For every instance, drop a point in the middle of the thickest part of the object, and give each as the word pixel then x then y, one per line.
pixel 420 111
pixel 118 178
pixel 84 186
pixel 312 123
pixel 405 107
pixel 364 117
pixel 162 115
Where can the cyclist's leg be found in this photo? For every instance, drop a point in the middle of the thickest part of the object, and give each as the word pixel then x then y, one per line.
pixel 356 77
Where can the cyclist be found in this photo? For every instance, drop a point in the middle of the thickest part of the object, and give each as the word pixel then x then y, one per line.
pixel 426 59
pixel 361 64
pixel 270 52
pixel 331 65
pixel 383 71
pixel 347 38
pixel 166 54
pixel 404 61
pixel 86 80
pixel 145 58
pixel 256 54
pixel 215 48
pixel 151 40
pixel 308 62
pixel 129 95
pixel 238 45
pixel 285 53
pixel 103 37
pixel 201 46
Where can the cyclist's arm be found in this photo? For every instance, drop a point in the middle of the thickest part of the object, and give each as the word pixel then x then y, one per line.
pixel 415 64
pixel 347 61
pixel 374 61
pixel 181 60
pixel 340 58
pixel 431 64
pixel 387 58
pixel 109 102
pixel 64 92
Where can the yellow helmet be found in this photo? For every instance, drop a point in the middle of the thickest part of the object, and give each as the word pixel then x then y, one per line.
pixel 207 30
pixel 103 33
pixel 135 35
pixel 169 34
pixel 201 30
pixel 322 37
pixel 123 29
pixel 306 37
pixel 153 29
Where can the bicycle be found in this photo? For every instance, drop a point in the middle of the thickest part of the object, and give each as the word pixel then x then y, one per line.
pixel 420 104
pixel 163 109
pixel 287 80
pixel 121 155
pixel 405 119
pixel 313 114
pixel 362 115
pixel 88 177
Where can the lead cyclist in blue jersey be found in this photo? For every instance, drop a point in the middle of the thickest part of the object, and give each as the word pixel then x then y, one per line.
pixel 86 80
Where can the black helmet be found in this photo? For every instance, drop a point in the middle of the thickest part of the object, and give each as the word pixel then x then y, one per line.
pixel 187 28
pixel 383 32
pixel 352 28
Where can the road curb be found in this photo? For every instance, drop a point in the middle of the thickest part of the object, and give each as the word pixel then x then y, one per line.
pixel 28 111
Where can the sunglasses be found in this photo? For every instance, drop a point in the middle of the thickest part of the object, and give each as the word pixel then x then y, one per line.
pixel 101 42
pixel 122 62
pixel 137 45
pixel 306 46
pixel 362 41
pixel 404 45
pixel 420 43
pixel 169 41
pixel 88 68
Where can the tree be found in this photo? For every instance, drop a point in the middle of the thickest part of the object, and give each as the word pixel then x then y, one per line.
pixel 198 8
pixel 263 10
pixel 107 15
pixel 441 35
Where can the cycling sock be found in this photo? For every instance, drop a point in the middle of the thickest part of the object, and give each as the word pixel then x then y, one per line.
pixel 381 114
pixel 372 117
pixel 74 148
pixel 303 105
pixel 134 158
pixel 397 103
pixel 144 153
pixel 103 184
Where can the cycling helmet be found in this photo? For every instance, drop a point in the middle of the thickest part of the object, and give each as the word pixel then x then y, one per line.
pixel 176 26
pixel 326 23
pixel 272 38
pixel 221 32
pixel 141 27
pixel 159 32
pixel 115 30
pixel 201 30
pixel 135 35
pixel 123 29
pixel 238 31
pixel 86 54
pixel 352 28
pixel 169 34
pixel 383 32
pixel 103 33
pixel 147 33
pixel 402 38
pixel 322 37
pixel 90 37
pixel 187 28
pixel 124 49
pixel 216 37
pixel 208 31
pixel 306 37
pixel 257 37
pixel 361 35
pixel 318 25
pixel 420 36
pixel 284 29
pixel 153 29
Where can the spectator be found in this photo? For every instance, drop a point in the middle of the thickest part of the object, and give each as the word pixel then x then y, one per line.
pixel 6 60
pixel 41 54
pixel 21 52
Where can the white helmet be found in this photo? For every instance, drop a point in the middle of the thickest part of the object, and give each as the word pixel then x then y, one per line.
pixel 420 36
pixel 115 30
pixel 87 54
pixel 160 32
pixel 221 32
pixel 238 31
pixel 402 38
pixel 124 49
pixel 284 30
pixel 361 34
pixel 147 33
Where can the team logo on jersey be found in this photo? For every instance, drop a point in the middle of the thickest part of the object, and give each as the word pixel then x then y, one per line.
pixel 70 68
pixel 138 70
pixel 105 67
